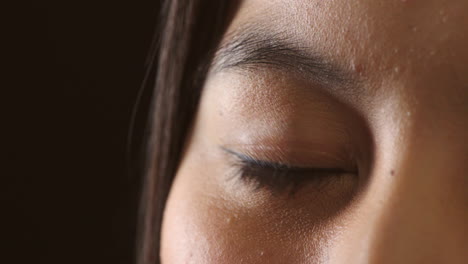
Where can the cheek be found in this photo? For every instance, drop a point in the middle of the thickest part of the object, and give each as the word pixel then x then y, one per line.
pixel 200 226
pixel 203 225
pixel 191 222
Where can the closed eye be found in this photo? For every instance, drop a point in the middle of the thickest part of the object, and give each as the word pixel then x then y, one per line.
pixel 281 178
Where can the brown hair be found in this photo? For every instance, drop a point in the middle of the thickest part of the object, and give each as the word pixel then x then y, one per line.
pixel 188 33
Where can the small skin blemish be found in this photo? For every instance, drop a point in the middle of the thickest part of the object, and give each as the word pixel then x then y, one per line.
pixel 357 68
pixel 392 172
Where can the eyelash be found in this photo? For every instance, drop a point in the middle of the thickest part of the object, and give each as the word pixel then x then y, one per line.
pixel 281 178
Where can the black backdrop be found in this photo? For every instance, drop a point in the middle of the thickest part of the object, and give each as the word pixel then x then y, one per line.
pixel 77 68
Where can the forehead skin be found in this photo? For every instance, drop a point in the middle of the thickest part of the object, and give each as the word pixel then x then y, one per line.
pixel 407 45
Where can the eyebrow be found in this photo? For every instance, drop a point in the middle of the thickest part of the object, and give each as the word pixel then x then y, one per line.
pixel 253 50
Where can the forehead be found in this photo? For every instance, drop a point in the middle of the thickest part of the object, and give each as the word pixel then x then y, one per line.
pixel 406 26
pixel 412 46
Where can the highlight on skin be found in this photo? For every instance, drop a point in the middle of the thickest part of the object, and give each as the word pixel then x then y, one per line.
pixel 328 132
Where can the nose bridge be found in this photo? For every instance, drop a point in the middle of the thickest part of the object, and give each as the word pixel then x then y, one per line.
pixel 405 224
pixel 407 213
pixel 412 210
pixel 394 223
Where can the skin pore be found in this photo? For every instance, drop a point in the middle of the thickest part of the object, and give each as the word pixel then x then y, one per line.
pixel 329 132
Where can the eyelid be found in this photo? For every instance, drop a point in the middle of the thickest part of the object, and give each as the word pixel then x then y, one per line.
pixel 280 166
pixel 293 153
pixel 280 178
pixel 247 159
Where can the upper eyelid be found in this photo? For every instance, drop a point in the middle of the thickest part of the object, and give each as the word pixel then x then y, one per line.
pixel 280 178
pixel 247 160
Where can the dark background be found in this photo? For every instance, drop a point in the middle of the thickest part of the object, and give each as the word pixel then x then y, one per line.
pixel 77 67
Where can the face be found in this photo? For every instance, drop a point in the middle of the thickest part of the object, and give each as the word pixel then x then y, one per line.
pixel 329 132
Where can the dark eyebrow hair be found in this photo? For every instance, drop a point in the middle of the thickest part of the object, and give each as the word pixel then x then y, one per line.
pixel 255 49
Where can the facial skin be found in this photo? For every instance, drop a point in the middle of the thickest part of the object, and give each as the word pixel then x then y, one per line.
pixel 385 108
